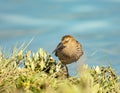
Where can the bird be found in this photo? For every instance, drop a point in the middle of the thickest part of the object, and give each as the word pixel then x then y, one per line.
pixel 69 50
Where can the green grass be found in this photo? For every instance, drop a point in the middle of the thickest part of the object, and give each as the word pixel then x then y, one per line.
pixel 28 72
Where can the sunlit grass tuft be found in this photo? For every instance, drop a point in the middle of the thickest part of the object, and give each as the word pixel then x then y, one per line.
pixel 29 72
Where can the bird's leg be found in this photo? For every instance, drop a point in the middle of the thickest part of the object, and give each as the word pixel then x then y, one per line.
pixel 67 74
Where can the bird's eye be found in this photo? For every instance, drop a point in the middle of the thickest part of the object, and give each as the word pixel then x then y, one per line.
pixel 67 39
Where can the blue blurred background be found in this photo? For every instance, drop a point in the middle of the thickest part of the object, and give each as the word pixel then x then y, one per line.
pixel 94 23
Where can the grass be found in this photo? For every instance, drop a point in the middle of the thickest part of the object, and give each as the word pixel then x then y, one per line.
pixel 29 72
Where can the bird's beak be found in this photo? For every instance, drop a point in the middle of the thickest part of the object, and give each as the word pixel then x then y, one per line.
pixel 60 46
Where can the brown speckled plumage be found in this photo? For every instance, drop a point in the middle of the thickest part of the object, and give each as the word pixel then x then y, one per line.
pixel 68 50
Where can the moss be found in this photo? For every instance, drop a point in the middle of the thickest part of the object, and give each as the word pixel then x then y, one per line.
pixel 28 72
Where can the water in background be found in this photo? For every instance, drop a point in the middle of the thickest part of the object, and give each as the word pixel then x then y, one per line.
pixel 94 23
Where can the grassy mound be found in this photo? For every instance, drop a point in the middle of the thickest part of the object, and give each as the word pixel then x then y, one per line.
pixel 28 72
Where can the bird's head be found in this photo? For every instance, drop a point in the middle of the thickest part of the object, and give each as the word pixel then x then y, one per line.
pixel 67 39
